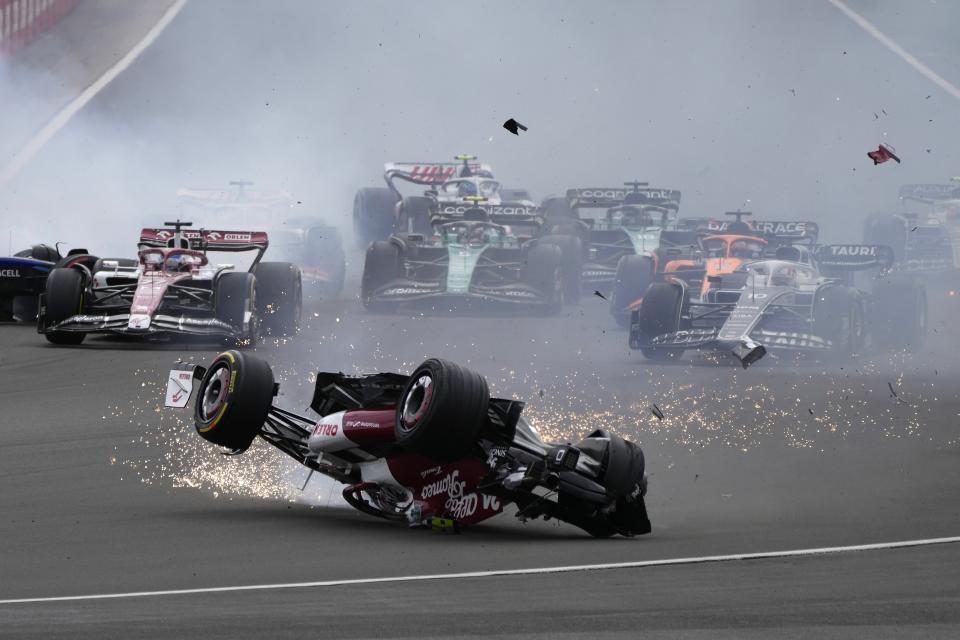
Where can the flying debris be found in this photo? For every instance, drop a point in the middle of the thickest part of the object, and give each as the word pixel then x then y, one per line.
pixel 599 295
pixel 882 154
pixel 512 125
pixel 655 410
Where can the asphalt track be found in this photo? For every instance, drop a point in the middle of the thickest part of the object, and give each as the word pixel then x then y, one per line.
pixel 105 492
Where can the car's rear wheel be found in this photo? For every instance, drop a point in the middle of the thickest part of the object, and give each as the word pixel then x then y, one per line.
pixel 374 215
pixel 233 400
pixel 380 267
pixel 660 314
pixel 234 297
pixel 415 215
pixel 838 317
pixel 571 252
pixel 441 410
pixel 544 272
pixel 279 297
pixel 634 275
pixel 64 298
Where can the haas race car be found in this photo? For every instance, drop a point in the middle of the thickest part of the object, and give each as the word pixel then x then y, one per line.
pixel 429 449
pixel 173 288
pixel 310 242
pixel 786 305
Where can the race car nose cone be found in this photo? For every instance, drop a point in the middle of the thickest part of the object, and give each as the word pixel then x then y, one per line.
pixel 138 322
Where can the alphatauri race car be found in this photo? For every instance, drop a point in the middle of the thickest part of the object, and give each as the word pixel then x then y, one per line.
pixel 310 242
pixel 23 277
pixel 381 211
pixel 785 305
pixel 712 248
pixel 926 243
pixel 173 288
pixel 474 252
pixel 431 449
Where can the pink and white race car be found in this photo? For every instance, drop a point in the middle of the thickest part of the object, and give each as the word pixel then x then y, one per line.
pixel 172 287
pixel 429 449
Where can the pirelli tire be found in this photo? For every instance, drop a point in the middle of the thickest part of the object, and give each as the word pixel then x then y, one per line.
pixel 889 230
pixel 374 214
pixel 380 267
pixel 544 272
pixel 838 315
pixel 279 298
pixel 233 400
pixel 659 314
pixel 63 298
pixel 415 213
pixel 898 314
pixel 234 296
pixel 634 275
pixel 441 410
pixel 571 255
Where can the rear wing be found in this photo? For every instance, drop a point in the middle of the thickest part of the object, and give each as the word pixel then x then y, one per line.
pixel 207 239
pixel 833 258
pixel 428 173
pixel 929 193
pixel 794 231
pixel 607 197
pixel 503 213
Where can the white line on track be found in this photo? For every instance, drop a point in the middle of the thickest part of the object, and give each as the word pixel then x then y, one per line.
pixel 26 154
pixel 503 572
pixel 907 57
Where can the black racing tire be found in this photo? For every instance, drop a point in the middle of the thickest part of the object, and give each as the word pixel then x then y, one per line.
pixel 889 230
pixel 234 294
pixel 381 265
pixel 441 410
pixel 41 252
pixel 634 275
pixel 838 316
pixel 660 314
pixel 571 251
pixel 127 263
pixel 415 213
pixel 233 400
pixel 374 215
pixel 544 271
pixel 898 314
pixel 279 298
pixel 64 298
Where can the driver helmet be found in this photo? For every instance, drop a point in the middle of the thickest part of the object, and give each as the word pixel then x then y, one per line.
pixel 466 188
pixel 178 262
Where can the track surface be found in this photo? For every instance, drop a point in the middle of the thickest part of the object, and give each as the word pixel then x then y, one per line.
pixel 103 492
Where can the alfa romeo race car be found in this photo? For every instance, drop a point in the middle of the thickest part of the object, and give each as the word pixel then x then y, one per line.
pixel 926 244
pixel 381 211
pixel 23 278
pixel 785 305
pixel 310 242
pixel 173 288
pixel 713 248
pixel 431 449
pixel 637 220
pixel 474 252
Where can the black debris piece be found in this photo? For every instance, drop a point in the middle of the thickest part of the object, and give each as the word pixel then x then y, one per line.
pixel 599 295
pixel 655 410
pixel 512 125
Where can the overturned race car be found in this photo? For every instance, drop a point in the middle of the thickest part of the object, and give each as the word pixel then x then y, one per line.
pixel 430 449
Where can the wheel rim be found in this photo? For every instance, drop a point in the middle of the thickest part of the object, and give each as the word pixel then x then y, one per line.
pixel 215 392
pixel 416 402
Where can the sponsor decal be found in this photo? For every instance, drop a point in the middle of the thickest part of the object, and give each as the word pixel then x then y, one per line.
pixel 404 291
pixel 163 235
pixel 466 506
pixel 326 429
pixel 853 250
pixel 780 228
pixel 9 273
pixel 432 471
pixel 138 321
pixel 360 424
pixel 606 194
pixel 186 375
pixel 449 485
pixel 244 237
pixel 494 210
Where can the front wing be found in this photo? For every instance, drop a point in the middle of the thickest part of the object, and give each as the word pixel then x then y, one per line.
pixel 403 290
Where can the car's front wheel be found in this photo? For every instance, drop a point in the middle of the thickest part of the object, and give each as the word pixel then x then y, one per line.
pixel 233 400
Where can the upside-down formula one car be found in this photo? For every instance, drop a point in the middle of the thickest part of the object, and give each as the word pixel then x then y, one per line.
pixel 429 449
pixel 787 306
pixel 173 288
